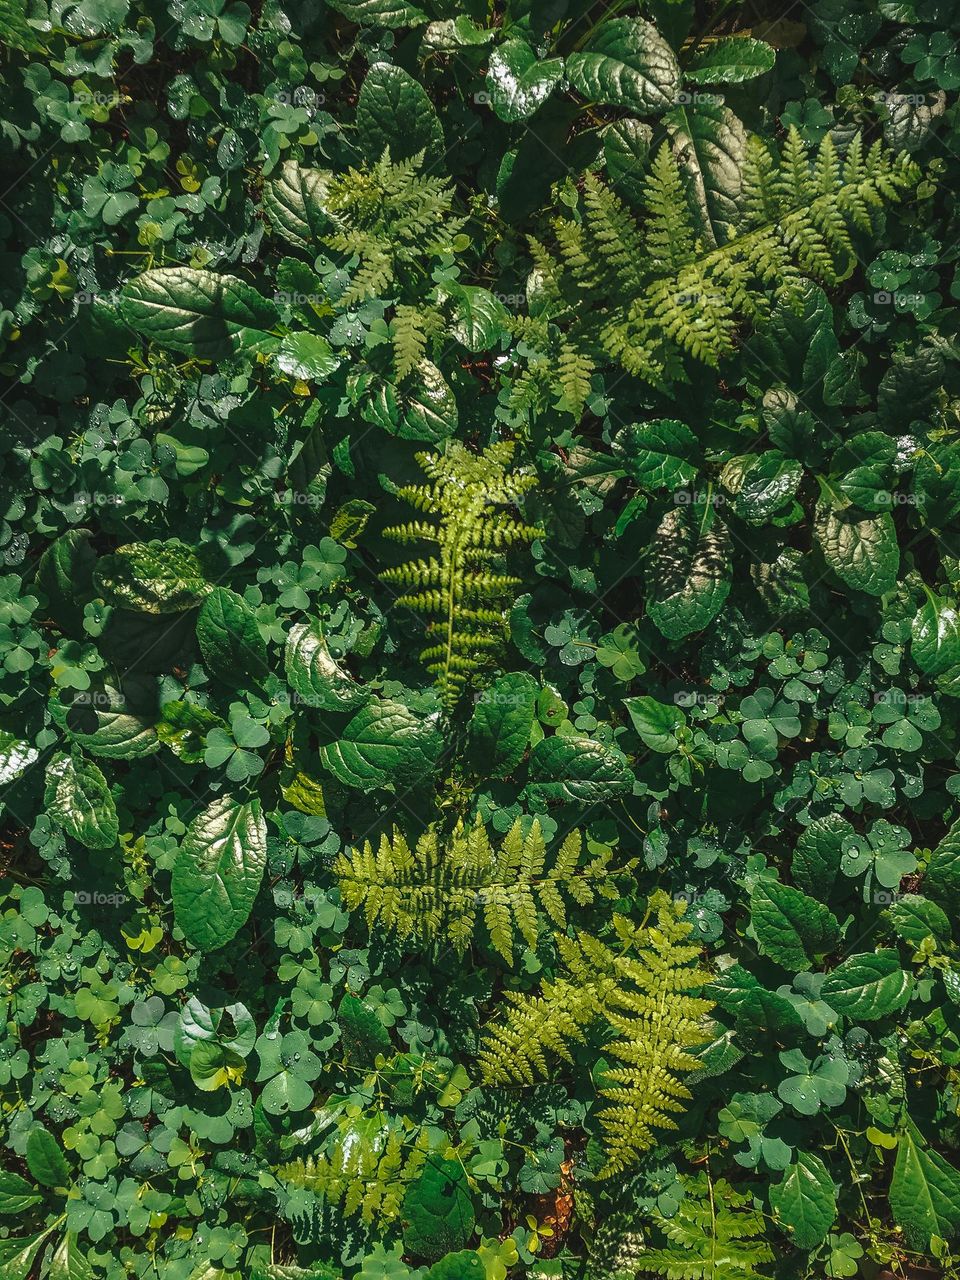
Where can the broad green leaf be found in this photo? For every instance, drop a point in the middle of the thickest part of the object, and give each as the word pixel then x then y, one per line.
pixel 69 1261
pixel 816 857
pixel 102 720
pixel 307 357
pixel 499 729
pixel 689 573
pixel 362 1032
pixel 424 408
pixel 757 1010
pixel 153 577
pixel 315 676
pixel 294 203
pixel 230 639
pixel 217 873
pixel 626 151
pixel 626 63
pixel 385 744
pixel 866 465
pixel 16 1194
pixel 15 32
pixel 16 757
pixel 924 1192
pixel 78 799
pixel 729 60
pixel 17 1255
pixel 761 483
pixel 380 13
pixel 438 1212
pixel 479 318
pixel 935 636
pixel 915 918
pixel 518 82
pixel 577 769
pixel 64 575
pixel 791 928
pixel 463 1265
pixel 868 986
pixel 394 111
pixel 659 454
pixel 942 879
pixel 201 313
pixel 805 1201
pixel 656 722
pixel 710 145
pixel 45 1160
pixel 861 550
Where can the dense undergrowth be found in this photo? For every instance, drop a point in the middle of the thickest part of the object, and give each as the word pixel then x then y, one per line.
pixel 479 648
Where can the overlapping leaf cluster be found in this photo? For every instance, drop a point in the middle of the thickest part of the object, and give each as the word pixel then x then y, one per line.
pixel 479 640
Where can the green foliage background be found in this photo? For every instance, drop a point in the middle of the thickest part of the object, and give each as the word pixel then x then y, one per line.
pixel 480 521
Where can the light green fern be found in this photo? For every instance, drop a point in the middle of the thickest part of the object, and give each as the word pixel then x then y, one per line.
pixel 646 294
pixel 463 587
pixel 442 890
pixel 394 219
pixel 643 993
pixel 712 1236
pixel 366 1172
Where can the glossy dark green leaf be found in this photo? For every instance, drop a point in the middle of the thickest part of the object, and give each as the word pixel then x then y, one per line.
pixel 499 729
pixel 229 638
pixel 384 744
pixel 78 799
pixel 518 82
pixel 199 312
pixel 315 676
pixel 217 873
pixel 394 111
pixel 626 63
pixel 153 577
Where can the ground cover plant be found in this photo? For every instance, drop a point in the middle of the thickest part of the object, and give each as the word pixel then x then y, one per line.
pixel 479 640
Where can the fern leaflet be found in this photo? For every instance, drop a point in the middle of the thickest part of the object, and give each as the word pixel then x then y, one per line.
pixel 647 294
pixel 713 1236
pixel 462 588
pixel 437 891
pixel 644 994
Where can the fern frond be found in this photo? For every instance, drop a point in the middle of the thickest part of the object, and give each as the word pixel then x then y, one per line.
pixel 644 995
pixel 464 587
pixel 390 216
pixel 712 1236
pixel 410 331
pixel 366 1171
pixel 432 893
pixel 649 296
